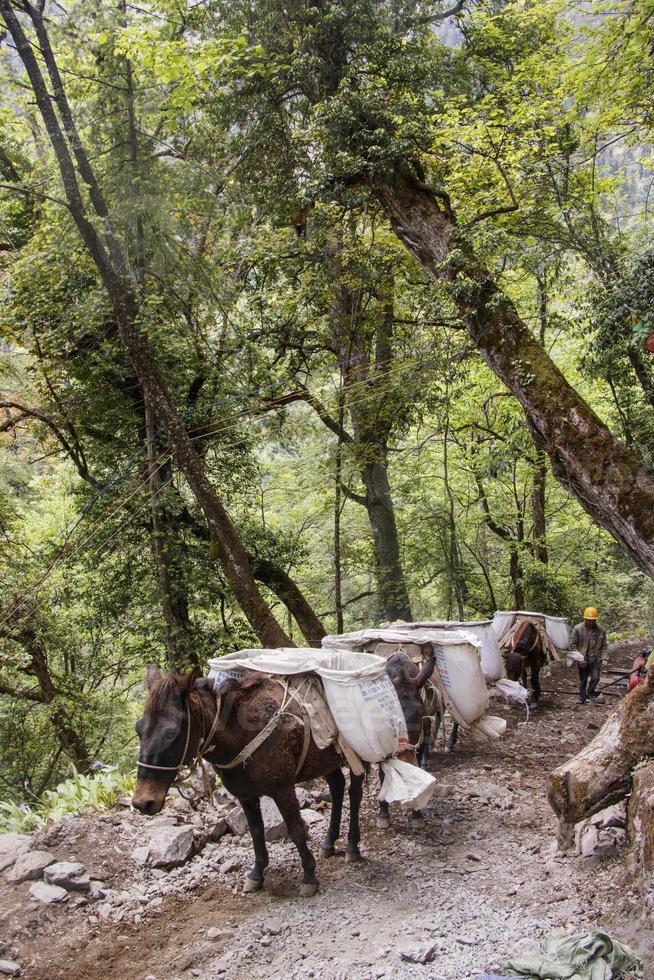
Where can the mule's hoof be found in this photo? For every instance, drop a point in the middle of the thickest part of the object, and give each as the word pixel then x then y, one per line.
pixel 307 890
pixel 383 823
pixel 417 823
pixel 327 851
pixel 351 857
pixel 253 884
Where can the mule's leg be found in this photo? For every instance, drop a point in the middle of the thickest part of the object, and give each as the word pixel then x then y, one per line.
pixel 535 682
pixel 252 810
pixel 383 814
pixel 355 792
pixel 416 820
pixel 454 734
pixel 336 783
pixel 289 808
pixel 427 744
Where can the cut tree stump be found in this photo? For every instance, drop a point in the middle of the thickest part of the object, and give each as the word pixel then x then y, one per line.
pixel 600 774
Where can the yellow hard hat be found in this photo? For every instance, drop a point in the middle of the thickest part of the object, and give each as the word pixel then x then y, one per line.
pixel 590 612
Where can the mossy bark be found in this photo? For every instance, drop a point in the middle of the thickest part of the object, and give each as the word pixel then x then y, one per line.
pixel 606 477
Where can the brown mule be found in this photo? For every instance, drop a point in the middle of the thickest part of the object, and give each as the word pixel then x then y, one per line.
pixel 184 719
pixel 526 652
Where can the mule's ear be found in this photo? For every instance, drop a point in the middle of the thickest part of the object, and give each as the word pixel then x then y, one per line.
pixel 188 681
pixel 204 684
pixel 153 674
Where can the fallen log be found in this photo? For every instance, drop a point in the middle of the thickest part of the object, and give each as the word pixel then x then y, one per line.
pixel 600 774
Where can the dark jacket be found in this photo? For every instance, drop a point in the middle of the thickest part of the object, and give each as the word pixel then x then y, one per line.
pixel 580 640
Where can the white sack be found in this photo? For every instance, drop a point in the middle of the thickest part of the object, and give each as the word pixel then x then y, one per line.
pixel 558 631
pixel 458 675
pixel 459 670
pixel 359 692
pixel 492 664
pixel 501 623
pixel 490 726
pixel 510 691
pixel 406 784
pixel 554 629
pixel 574 657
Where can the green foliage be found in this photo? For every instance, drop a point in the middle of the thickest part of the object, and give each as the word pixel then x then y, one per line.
pixel 78 794
pixel 239 146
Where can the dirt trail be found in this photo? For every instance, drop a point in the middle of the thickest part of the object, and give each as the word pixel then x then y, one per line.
pixel 481 882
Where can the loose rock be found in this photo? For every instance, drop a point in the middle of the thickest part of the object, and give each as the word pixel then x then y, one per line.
pixel 30 866
pixel 48 894
pixel 167 847
pixel 12 845
pixel 419 954
pixel 9 968
pixel 68 874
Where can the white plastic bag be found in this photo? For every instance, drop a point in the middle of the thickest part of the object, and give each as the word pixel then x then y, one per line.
pixel 510 691
pixel 490 726
pixel 405 784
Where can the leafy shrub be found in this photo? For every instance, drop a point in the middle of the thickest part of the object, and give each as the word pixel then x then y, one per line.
pixel 78 794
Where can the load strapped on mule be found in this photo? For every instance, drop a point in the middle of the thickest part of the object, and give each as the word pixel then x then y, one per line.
pixel 350 703
pixel 458 679
pixel 554 631
pixel 492 664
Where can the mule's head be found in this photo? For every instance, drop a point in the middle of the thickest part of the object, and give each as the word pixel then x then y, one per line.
pixel 166 737
pixel 514 665
pixel 407 680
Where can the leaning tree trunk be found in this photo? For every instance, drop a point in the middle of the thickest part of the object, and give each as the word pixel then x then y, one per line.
pixel 177 627
pixel 606 477
pixel 110 260
pixel 601 773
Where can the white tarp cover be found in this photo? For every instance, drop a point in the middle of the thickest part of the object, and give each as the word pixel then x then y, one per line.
pixel 555 628
pixel 492 663
pixel 361 698
pixel 458 676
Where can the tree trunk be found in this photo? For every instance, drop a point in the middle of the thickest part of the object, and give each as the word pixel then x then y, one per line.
pixel 515 570
pixel 371 428
pixel 179 648
pixel 390 576
pixel 538 513
pixel 110 260
pixel 284 587
pixel 601 773
pixel 66 734
pixel 607 478
pixel 338 505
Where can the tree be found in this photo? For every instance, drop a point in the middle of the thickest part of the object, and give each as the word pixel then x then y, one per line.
pixel 114 269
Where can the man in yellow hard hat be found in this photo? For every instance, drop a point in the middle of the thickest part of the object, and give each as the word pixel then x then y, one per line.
pixel 589 638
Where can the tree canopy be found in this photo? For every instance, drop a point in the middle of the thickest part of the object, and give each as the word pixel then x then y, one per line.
pixel 313 315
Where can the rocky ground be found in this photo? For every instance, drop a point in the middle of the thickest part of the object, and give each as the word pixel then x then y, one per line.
pixel 480 883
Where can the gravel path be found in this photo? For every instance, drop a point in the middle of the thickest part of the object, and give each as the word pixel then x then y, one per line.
pixel 480 883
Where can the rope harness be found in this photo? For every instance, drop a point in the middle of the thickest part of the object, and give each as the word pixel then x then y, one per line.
pixel 244 755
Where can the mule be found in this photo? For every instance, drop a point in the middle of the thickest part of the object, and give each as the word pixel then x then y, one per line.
pixel 185 719
pixel 526 652
pixel 432 722
pixel 408 680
